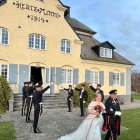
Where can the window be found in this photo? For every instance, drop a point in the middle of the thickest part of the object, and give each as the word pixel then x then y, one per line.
pixel 94 77
pixel 116 78
pixel 67 76
pixel 3 70
pixel 41 0
pixel 66 46
pixel 3 36
pixel 37 41
pixel 106 52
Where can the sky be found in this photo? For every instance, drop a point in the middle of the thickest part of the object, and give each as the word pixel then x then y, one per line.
pixel 117 21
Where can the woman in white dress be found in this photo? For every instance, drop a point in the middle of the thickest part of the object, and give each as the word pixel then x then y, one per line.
pixel 90 128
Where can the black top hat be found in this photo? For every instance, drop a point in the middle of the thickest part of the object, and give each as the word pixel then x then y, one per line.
pixel 113 91
pixel 99 85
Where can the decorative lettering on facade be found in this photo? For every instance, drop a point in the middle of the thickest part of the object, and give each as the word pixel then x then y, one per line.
pixel 37 19
pixel 39 10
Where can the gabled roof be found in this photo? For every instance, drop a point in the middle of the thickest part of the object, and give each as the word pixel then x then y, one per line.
pixel 77 25
pixel 88 53
pixel 105 44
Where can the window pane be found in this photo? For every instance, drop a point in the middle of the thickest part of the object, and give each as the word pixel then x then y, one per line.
pixel 42 43
pixel 4 36
pixel 64 76
pixel 69 76
pixel 4 71
pixel 65 46
pixel 31 41
pixel 94 77
pixel 37 41
pixel 116 78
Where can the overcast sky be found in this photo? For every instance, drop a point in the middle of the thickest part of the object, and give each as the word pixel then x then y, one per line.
pixel 117 21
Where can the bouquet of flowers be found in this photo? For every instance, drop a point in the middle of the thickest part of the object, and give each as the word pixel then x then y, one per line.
pixel 98 109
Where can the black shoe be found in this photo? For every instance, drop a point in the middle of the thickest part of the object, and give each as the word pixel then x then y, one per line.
pixel 29 121
pixel 39 131
pixel 69 111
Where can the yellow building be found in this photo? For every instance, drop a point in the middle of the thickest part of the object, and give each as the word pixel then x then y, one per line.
pixel 39 41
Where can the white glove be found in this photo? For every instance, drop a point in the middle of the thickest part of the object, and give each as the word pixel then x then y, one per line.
pixel 83 102
pixel 118 113
pixel 70 99
pixel 52 83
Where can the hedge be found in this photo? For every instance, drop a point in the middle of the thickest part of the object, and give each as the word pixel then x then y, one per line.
pixel 5 93
pixel 76 102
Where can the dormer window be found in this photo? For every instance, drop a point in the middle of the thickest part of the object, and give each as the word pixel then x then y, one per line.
pixel 105 52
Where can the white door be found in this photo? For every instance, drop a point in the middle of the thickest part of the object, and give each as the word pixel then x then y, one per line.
pixel 47 79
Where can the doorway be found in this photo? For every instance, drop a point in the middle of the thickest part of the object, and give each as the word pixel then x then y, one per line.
pixel 36 75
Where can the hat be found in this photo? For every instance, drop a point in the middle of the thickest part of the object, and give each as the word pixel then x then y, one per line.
pixel 38 85
pixel 99 85
pixel 113 91
pixel 70 85
pixel 30 82
pixel 25 83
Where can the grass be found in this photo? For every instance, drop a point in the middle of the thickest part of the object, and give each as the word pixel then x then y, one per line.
pixel 7 131
pixel 131 120
pixel 136 97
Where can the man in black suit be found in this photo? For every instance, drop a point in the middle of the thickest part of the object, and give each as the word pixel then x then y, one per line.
pixel 69 97
pixel 114 116
pixel 83 95
pixel 29 101
pixel 98 89
pixel 38 105
pixel 24 97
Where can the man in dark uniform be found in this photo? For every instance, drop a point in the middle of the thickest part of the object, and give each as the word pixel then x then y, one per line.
pixel 114 116
pixel 29 101
pixel 98 89
pixel 38 105
pixel 24 97
pixel 69 97
pixel 83 97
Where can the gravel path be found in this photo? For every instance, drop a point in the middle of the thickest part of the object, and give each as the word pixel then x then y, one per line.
pixel 53 123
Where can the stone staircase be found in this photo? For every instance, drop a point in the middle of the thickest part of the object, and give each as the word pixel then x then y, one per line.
pixel 49 101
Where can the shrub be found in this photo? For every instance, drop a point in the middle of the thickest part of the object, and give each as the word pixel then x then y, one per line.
pixel 5 93
pixel 76 102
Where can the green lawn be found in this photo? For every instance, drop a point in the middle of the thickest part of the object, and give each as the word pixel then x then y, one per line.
pixel 136 97
pixel 131 120
pixel 7 131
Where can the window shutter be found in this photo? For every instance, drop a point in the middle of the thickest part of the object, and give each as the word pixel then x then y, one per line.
pixel 59 75
pixel 23 75
pixel 13 70
pixel 110 78
pixel 122 79
pixel 52 79
pixel 75 76
pixel 87 75
pixel 101 78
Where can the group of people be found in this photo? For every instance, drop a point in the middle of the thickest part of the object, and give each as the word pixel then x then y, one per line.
pixel 32 95
pixel 102 115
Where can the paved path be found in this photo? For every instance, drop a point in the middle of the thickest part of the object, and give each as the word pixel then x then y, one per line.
pixel 53 123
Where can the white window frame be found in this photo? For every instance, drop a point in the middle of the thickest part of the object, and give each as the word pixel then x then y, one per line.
pixel 65 46
pixel 66 81
pixel 1 28
pixel 34 41
pixel 92 77
pixel 116 81
pixel 106 52
pixel 7 70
